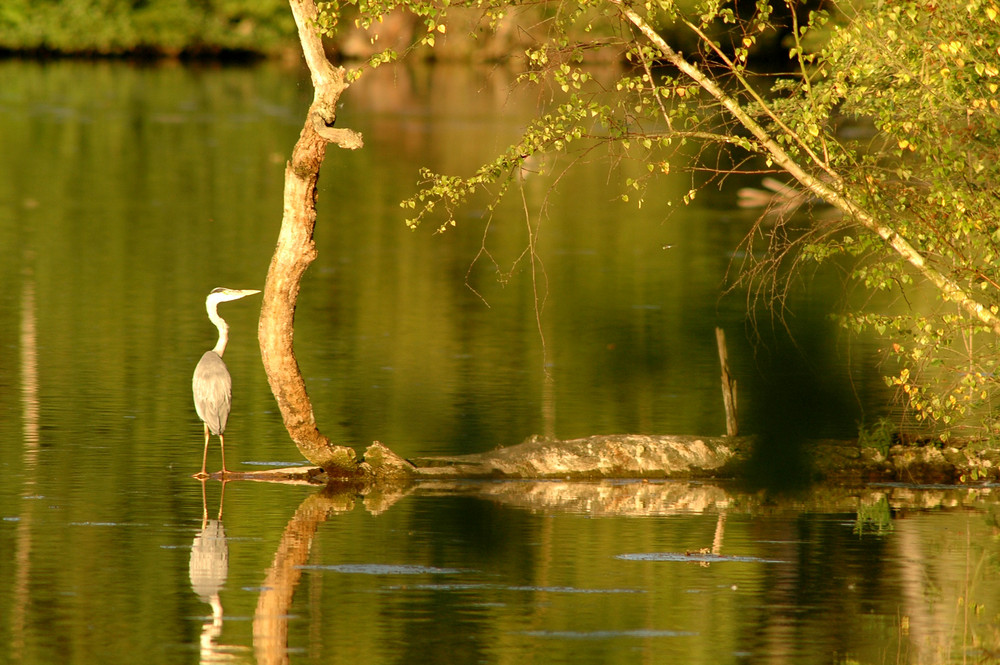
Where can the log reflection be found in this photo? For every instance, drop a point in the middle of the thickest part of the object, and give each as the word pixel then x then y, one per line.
pixel 31 425
pixel 798 547
pixel 270 621
pixel 638 498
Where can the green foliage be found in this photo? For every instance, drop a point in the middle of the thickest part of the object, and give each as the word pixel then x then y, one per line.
pixel 932 99
pixel 552 132
pixel 874 518
pixel 973 475
pixel 112 27
pixel 927 81
pixel 367 14
pixel 879 436
pixel 639 115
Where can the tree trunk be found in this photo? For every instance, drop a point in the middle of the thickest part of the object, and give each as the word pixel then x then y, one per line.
pixel 296 250
pixel 728 385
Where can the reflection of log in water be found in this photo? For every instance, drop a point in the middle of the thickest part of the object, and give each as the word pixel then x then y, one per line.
pixel 270 621
pixel 31 423
pixel 670 497
pixel 608 497
pixel 594 498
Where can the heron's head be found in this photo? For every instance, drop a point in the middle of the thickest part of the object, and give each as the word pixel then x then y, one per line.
pixel 222 294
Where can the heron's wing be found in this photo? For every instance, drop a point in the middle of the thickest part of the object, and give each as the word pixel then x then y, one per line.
pixel 213 391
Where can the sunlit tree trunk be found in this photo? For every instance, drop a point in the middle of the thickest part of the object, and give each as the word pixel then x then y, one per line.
pixel 296 250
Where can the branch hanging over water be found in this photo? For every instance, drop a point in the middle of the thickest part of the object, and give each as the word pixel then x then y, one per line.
pixel 834 194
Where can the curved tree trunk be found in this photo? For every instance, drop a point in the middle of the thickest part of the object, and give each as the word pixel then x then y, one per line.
pixel 296 250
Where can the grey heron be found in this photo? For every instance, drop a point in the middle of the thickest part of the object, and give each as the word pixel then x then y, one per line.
pixel 211 384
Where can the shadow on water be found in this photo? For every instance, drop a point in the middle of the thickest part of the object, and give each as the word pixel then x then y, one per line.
pixel 795 393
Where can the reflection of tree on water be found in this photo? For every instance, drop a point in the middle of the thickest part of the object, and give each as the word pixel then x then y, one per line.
pixel 208 570
pixel 813 561
pixel 270 621
pixel 30 405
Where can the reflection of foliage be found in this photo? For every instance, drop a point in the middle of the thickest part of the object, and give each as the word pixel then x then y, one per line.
pixel 874 518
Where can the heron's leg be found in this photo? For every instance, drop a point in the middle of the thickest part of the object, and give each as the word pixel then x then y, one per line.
pixel 222 444
pixel 204 457
pixel 222 498
pixel 204 505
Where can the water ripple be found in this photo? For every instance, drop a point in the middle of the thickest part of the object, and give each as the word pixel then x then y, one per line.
pixel 698 557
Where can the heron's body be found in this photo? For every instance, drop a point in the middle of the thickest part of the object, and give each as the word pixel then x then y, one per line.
pixel 212 385
pixel 213 392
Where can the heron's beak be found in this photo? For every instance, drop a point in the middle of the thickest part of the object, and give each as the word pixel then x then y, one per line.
pixel 227 295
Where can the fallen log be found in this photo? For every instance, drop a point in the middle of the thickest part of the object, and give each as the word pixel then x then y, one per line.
pixel 637 456
pixel 609 456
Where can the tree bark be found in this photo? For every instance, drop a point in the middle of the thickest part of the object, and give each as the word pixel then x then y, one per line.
pixel 296 250
pixel 603 456
pixel 728 385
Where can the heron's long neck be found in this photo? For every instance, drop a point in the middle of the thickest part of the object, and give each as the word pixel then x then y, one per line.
pixel 220 323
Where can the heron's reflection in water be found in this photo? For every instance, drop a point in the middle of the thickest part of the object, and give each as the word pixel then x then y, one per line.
pixel 208 569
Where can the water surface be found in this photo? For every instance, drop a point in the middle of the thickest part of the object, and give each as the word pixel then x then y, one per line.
pixel 127 193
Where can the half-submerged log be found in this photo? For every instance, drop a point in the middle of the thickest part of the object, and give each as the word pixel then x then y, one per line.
pixel 636 456
pixel 610 456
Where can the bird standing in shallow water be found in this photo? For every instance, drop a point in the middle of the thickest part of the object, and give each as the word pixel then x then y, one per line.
pixel 212 385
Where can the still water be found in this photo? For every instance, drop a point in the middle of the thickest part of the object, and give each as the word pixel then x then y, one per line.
pixel 127 193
